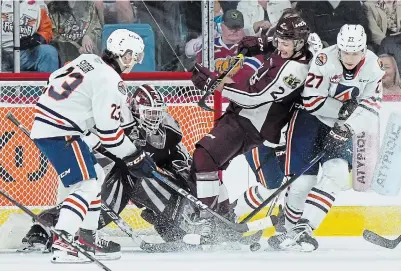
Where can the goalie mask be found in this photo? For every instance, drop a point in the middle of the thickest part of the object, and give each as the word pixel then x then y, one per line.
pixel 149 109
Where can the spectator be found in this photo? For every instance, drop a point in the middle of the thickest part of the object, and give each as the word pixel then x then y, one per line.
pixel 391 79
pixel 325 18
pixel 391 45
pixel 384 19
pixel 35 32
pixel 116 11
pixel 76 27
pixel 225 47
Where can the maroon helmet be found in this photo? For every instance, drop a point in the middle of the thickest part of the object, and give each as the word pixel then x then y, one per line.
pixel 292 27
pixel 148 107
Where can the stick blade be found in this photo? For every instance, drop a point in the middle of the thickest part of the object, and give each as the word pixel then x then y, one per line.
pixel 11 117
pixel 376 239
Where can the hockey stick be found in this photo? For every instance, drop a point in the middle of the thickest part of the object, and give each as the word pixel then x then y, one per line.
pixel 242 228
pixel 54 231
pixel 283 187
pixel 376 239
pixel 116 218
pixel 202 102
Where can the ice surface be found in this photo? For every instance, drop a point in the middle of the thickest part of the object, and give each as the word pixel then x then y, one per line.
pixel 335 253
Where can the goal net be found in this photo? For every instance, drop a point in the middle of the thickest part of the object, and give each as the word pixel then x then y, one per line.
pixel 27 175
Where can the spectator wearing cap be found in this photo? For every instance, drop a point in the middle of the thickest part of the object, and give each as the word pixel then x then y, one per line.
pixel 225 46
pixel 35 32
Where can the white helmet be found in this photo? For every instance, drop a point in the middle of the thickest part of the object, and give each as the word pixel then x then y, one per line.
pixel 123 42
pixel 351 38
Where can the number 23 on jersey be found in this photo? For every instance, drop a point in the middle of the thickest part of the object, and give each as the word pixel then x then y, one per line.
pixel 71 83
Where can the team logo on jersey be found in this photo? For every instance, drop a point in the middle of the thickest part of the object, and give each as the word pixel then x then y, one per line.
pixel 122 87
pixel 381 65
pixel 291 81
pixel 336 79
pixel 321 59
pixel 344 93
pixel 223 64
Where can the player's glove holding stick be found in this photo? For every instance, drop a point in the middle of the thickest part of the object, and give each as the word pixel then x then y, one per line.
pixel 140 164
pixel 337 138
pixel 340 134
pixel 253 46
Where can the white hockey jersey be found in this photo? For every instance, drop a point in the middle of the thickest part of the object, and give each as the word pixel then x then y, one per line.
pixel 87 93
pixel 328 86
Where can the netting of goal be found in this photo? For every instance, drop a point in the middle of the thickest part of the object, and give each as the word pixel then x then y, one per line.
pixel 27 175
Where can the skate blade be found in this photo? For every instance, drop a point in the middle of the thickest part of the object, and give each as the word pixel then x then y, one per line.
pixel 303 247
pixel 108 256
pixel 36 248
pixel 69 260
pixel 62 257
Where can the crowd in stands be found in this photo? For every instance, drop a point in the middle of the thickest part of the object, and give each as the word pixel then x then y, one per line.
pixel 55 32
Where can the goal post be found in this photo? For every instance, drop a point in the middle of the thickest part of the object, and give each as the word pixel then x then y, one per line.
pixel 27 175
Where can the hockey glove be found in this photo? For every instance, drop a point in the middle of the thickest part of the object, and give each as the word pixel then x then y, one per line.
pixel 337 138
pixel 347 109
pixel 140 164
pixel 255 46
pixel 202 78
pixel 30 42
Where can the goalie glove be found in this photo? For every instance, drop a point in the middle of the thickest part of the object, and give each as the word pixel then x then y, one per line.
pixel 140 164
pixel 337 138
pixel 202 78
pixel 347 109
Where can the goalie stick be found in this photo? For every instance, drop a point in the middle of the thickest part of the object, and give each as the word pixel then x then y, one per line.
pixel 242 228
pixel 376 239
pixel 54 231
pixel 116 218
pixel 283 187
pixel 209 91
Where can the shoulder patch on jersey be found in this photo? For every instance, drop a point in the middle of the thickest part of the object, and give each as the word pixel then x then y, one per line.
pixel 122 87
pixel 321 59
pixel 291 81
pixel 380 63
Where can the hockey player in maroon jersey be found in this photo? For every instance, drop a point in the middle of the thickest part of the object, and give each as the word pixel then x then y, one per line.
pixel 259 108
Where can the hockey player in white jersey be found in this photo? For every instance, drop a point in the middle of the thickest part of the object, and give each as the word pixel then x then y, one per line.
pixel 342 96
pixel 87 93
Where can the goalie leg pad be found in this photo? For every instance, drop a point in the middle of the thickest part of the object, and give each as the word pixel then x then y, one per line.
pixel 116 193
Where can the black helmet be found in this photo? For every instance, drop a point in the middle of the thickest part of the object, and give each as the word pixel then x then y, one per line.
pixel 291 26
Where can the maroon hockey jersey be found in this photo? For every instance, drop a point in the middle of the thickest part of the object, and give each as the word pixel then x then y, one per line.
pixel 267 98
